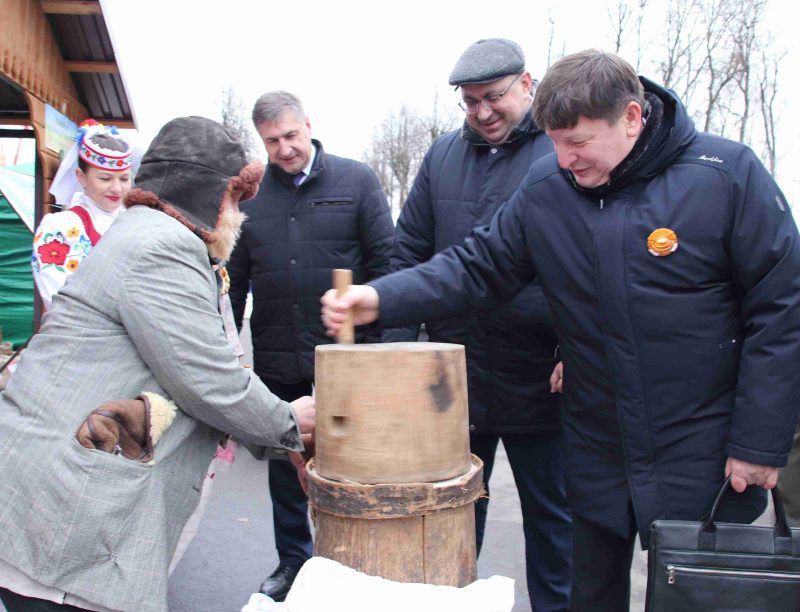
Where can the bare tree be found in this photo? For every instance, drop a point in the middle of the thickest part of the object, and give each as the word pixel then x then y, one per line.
pixel 620 16
pixel 680 68
pixel 715 54
pixel 624 16
pixel 552 23
pixel 440 120
pixel 720 63
pixel 768 90
pixel 375 158
pixel 642 5
pixel 673 42
pixel 747 45
pixel 394 152
pixel 406 141
pixel 236 120
pixel 399 145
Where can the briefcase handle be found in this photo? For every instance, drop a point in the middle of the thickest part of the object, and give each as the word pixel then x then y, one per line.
pixel 783 535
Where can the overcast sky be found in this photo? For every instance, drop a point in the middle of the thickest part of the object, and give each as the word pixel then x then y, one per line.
pixel 354 61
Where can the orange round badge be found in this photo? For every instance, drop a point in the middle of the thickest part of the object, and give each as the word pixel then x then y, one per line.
pixel 662 242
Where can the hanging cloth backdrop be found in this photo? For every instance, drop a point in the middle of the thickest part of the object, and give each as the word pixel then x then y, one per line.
pixel 16 276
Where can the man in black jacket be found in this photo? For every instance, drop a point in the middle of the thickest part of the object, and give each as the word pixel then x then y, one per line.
pixel 511 351
pixel 314 212
pixel 671 263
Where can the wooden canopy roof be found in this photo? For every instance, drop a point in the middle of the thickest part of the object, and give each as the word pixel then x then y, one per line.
pixel 60 51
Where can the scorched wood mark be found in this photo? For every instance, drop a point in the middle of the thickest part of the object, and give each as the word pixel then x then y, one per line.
pixel 440 390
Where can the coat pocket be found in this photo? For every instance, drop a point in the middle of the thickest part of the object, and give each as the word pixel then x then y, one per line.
pixel 108 464
pixel 332 201
pixel 129 427
pixel 694 587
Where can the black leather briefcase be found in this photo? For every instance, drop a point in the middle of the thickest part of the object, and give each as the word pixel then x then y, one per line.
pixel 703 566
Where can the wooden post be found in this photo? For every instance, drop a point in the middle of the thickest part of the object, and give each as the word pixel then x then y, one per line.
pixel 342 279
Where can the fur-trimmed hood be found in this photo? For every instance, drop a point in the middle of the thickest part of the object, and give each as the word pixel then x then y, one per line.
pixel 191 167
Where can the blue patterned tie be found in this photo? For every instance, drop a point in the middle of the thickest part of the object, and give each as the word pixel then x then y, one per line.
pixel 298 178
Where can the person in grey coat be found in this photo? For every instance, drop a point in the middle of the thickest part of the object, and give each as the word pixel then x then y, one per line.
pixel 96 530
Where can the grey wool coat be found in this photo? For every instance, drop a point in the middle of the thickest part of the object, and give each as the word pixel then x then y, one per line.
pixel 139 315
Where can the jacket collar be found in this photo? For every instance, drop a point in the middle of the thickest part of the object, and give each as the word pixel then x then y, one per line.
pixel 524 130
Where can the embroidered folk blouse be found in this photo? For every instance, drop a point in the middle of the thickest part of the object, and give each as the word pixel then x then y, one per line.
pixel 61 243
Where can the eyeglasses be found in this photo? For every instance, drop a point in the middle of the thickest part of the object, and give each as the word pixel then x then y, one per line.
pixel 471 106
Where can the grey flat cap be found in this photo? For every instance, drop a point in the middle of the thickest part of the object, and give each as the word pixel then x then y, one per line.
pixel 487 60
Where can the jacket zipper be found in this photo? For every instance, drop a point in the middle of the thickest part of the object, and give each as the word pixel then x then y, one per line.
pixel 674 570
pixel 601 203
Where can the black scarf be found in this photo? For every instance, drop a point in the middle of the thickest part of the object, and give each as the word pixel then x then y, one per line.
pixel 524 129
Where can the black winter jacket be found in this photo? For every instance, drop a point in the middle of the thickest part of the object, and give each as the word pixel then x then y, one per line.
pixel 510 351
pixel 672 363
pixel 291 241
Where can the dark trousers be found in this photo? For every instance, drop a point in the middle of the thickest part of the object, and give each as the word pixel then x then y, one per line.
pixel 289 503
pixel 20 603
pixel 789 482
pixel 602 568
pixel 537 462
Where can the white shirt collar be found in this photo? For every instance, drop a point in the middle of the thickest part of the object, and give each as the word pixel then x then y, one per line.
pixel 307 169
pixel 95 210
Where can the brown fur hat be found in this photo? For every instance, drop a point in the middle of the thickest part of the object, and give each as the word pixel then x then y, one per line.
pixel 191 166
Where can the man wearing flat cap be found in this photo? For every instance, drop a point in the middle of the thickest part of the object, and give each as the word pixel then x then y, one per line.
pixel 511 351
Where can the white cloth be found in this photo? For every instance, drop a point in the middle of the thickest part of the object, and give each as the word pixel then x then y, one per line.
pixel 323 584
pixel 101 218
pixel 65 182
pixel 259 602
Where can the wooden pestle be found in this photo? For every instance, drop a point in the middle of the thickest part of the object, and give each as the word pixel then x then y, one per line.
pixel 342 279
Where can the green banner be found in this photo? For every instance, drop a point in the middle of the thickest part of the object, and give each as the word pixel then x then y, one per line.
pixel 16 276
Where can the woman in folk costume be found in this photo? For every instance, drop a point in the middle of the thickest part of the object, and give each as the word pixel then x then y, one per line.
pixel 100 164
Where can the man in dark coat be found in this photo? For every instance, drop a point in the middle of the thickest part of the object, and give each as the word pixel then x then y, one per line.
pixel 314 212
pixel 511 351
pixel 671 263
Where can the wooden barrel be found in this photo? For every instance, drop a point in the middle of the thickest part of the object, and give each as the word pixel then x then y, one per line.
pixel 415 532
pixel 394 412
pixel 393 485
